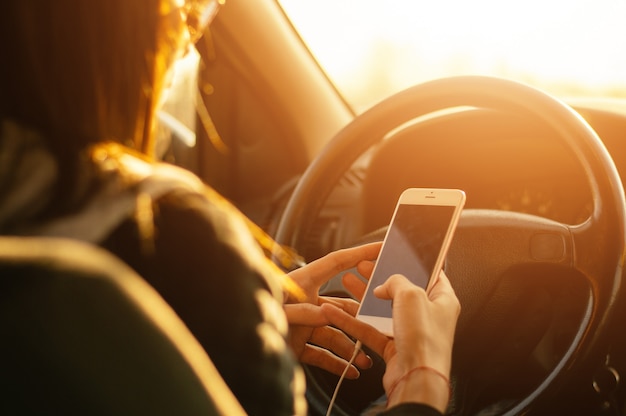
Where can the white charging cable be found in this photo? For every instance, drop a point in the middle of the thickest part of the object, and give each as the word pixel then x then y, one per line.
pixel 357 348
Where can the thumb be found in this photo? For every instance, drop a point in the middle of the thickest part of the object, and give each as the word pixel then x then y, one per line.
pixel 392 286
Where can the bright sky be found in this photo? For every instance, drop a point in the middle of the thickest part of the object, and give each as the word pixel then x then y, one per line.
pixel 569 47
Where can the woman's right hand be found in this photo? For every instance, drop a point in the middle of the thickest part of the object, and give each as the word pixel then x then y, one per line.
pixel 424 326
pixel 421 351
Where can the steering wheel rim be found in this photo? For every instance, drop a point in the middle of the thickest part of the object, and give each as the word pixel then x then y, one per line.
pixel 607 220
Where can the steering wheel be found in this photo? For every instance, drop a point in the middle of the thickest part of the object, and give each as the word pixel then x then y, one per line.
pixel 488 243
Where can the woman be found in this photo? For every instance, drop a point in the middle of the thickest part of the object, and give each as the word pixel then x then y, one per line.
pixel 82 82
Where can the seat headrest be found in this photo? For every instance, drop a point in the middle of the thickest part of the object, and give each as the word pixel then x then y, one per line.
pixel 83 334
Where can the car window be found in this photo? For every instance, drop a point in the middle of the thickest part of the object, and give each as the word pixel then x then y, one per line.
pixel 371 48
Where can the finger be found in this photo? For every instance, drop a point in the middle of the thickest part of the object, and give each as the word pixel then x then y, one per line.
pixel 305 314
pixel 354 285
pixel 320 270
pixel 367 334
pixel 339 344
pixel 365 268
pixel 442 292
pixel 334 300
pixel 349 305
pixel 393 285
pixel 442 285
pixel 322 358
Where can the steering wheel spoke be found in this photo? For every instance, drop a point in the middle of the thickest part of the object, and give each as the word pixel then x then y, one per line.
pixel 490 243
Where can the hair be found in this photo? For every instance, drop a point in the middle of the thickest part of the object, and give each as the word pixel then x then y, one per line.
pixel 86 71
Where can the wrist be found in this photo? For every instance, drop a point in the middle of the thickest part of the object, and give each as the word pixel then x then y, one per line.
pixel 421 385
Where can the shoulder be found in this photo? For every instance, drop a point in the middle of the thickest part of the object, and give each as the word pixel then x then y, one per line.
pixel 190 212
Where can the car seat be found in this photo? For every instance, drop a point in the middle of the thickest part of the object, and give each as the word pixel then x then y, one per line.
pixel 83 334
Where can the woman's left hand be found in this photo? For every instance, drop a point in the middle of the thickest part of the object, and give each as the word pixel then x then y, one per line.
pixel 312 276
pixel 311 338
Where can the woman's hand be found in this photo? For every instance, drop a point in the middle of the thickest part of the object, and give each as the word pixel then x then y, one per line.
pixel 424 327
pixel 316 343
pixel 311 337
pixel 312 276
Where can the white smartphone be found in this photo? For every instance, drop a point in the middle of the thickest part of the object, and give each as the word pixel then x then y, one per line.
pixel 415 246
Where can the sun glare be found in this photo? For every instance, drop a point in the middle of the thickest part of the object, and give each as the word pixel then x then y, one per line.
pixel 373 48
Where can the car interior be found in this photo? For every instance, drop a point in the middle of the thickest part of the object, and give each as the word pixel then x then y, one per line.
pixel 537 260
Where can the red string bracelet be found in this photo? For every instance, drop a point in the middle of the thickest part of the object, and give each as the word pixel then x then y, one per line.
pixel 421 368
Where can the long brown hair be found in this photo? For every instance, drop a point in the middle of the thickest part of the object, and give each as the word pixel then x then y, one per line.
pixel 86 71
pixel 88 75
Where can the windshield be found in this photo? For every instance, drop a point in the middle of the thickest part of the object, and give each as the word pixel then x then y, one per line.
pixel 371 49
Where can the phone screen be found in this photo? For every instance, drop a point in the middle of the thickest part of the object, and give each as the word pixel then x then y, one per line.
pixel 411 248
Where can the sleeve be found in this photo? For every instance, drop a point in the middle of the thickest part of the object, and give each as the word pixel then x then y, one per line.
pixel 414 409
pixel 205 268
